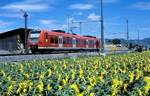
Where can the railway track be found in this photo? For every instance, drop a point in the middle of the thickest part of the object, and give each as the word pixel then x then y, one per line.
pixel 26 54
pixel 29 57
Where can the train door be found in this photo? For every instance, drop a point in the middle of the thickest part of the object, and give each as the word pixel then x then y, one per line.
pixel 46 40
pixel 87 43
pixel 94 43
pixel 60 41
pixel 74 42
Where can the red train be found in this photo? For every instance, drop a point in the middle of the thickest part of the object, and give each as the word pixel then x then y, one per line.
pixel 58 40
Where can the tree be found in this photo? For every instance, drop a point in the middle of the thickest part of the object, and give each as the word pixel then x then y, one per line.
pixel 116 41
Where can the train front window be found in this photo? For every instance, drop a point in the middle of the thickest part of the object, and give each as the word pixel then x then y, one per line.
pixel 34 36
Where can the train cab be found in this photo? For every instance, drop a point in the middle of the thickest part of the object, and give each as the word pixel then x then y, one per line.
pixel 34 40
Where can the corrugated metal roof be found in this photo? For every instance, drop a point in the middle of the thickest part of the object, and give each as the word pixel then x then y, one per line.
pixel 13 32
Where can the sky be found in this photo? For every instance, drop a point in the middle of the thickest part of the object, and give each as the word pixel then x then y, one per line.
pixel 58 14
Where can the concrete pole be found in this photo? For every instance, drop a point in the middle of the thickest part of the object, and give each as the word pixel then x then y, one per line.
pixel 102 30
pixel 138 37
pixel 80 23
pixel 68 22
pixel 71 27
pixel 26 31
pixel 25 15
pixel 127 34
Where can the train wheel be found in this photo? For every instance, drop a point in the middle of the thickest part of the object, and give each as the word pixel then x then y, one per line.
pixel 33 51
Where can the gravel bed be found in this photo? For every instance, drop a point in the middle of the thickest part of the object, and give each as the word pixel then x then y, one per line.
pixel 4 52
pixel 19 58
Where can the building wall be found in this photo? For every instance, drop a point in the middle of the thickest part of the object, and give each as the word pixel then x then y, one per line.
pixel 9 43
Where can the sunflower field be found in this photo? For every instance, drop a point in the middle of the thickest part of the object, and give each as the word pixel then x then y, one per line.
pixel 112 75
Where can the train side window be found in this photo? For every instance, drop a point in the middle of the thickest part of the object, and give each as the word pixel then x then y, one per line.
pixel 64 40
pixel 84 42
pixel 91 42
pixel 73 41
pixel 56 40
pixel 46 35
pixel 81 42
pixel 77 41
pixel 69 40
pixel 52 40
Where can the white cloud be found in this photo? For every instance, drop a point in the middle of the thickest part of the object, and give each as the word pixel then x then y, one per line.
pixel 64 26
pixel 93 17
pixel 28 7
pixel 31 1
pixel 80 13
pixel 145 29
pixel 51 24
pixel 3 30
pixel 12 15
pixel 106 1
pixel 5 23
pixel 81 6
pixel 141 5
pixel 71 19
pixel 110 1
pixel 33 5
pixel 47 22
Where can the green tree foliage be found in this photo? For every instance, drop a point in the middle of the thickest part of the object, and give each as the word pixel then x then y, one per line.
pixel 116 41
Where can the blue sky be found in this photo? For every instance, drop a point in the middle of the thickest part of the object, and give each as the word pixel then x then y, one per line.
pixel 54 14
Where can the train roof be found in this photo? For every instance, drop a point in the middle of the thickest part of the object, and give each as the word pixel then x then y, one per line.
pixel 89 36
pixel 60 31
pixel 52 32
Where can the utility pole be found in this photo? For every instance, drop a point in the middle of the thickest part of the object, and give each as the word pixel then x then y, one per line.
pixel 127 34
pixel 68 21
pixel 138 37
pixel 80 23
pixel 71 27
pixel 26 30
pixel 102 29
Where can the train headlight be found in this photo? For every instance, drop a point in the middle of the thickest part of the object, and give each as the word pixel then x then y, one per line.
pixel 46 40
